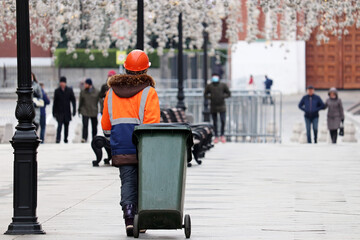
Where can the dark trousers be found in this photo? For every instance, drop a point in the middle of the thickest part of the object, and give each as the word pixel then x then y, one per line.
pixel 129 185
pixel 222 120
pixel 66 129
pixel 315 123
pixel 42 127
pixel 333 135
pixel 265 99
pixel 94 123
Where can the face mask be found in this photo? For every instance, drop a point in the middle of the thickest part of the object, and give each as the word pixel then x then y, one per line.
pixel 215 79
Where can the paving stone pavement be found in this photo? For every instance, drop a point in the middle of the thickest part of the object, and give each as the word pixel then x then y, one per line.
pixel 242 191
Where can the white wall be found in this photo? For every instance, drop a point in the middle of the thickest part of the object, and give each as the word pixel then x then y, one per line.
pixel 35 61
pixel 283 62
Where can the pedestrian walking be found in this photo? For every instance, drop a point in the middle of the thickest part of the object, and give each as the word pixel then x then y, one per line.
pixel 268 84
pixel 104 88
pixel 88 108
pixel 63 97
pixel 251 83
pixel 43 113
pixel 130 101
pixel 335 114
pixel 37 99
pixel 217 91
pixel 311 104
pixel 218 68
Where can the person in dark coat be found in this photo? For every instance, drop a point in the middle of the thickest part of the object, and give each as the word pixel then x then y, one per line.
pixel 103 90
pixel 311 104
pixel 218 69
pixel 88 108
pixel 268 84
pixel 43 113
pixel 335 115
pixel 217 91
pixel 63 96
pixel 37 95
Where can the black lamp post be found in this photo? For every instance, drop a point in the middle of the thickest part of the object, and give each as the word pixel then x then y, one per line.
pixel 140 25
pixel 206 111
pixel 25 141
pixel 180 95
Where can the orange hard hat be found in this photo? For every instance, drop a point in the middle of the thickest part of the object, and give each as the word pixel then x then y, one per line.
pixel 136 61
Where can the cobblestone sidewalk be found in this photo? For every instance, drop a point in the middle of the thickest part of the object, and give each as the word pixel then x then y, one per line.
pixel 242 191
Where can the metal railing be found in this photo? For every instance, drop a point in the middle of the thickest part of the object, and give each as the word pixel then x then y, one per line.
pixel 195 84
pixel 251 116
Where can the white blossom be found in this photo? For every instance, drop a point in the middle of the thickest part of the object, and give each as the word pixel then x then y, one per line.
pixel 102 23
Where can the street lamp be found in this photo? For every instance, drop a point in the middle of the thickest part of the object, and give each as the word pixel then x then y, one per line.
pixel 180 95
pixel 206 111
pixel 140 25
pixel 25 141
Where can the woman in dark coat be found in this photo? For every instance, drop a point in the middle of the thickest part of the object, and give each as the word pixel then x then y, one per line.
pixel 36 94
pixel 335 115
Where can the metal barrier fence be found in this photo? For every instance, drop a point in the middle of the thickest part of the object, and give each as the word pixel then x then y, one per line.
pixel 251 116
pixel 195 84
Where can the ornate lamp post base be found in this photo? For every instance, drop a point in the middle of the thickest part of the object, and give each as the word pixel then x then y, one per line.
pixel 25 144
pixel 20 228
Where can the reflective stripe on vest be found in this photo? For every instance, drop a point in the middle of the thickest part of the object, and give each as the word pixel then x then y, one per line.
pixel 107 132
pixel 128 120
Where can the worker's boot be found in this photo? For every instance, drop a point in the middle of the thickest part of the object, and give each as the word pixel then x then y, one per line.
pixel 129 215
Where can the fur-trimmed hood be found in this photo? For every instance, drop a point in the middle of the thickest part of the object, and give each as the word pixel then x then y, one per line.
pixel 334 90
pixel 126 86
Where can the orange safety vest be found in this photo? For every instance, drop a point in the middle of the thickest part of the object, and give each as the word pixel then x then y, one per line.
pixel 121 115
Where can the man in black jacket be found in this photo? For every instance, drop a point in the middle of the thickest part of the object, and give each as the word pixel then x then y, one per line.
pixel 63 96
pixel 311 104
pixel 216 92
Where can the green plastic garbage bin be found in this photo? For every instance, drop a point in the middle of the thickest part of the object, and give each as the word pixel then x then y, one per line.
pixel 163 151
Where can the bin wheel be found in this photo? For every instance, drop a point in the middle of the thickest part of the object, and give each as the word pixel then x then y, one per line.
pixel 136 226
pixel 187 226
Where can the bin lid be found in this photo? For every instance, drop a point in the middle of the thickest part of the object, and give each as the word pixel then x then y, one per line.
pixel 179 127
pixel 163 126
pixel 166 127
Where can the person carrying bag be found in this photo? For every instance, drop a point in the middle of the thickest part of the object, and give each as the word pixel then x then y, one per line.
pixel 335 115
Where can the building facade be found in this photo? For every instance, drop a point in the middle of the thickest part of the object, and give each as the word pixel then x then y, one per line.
pixel 293 65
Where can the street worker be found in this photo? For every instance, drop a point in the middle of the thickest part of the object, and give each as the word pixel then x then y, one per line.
pixel 217 91
pixel 311 104
pixel 130 101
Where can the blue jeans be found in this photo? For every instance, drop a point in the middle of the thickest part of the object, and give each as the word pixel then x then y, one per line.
pixel 129 185
pixel 315 123
pixel 222 120
pixel 42 127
